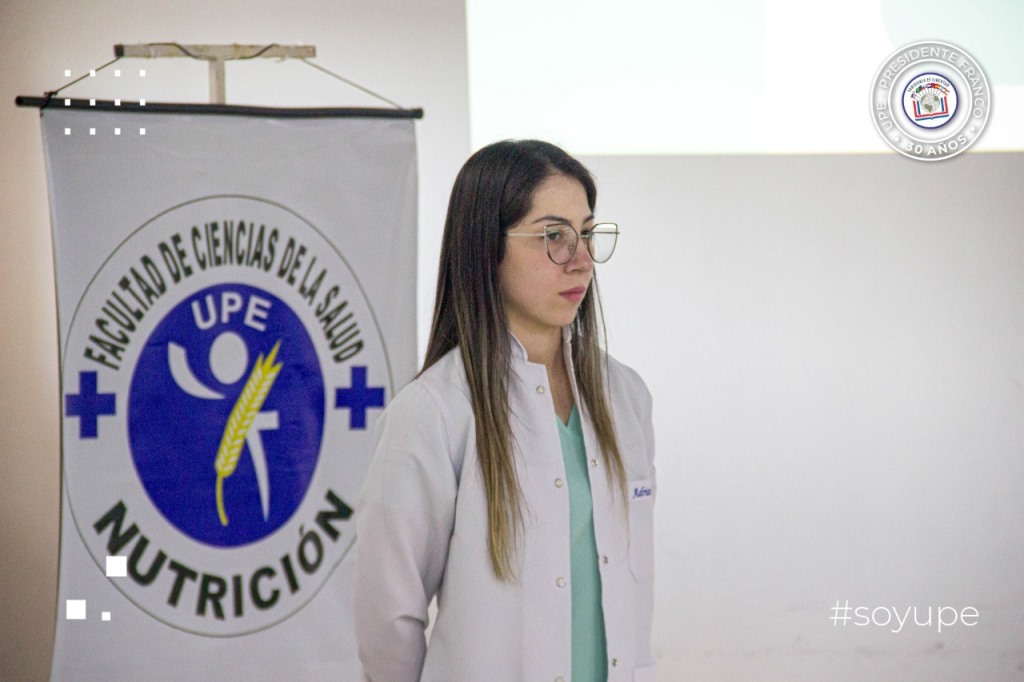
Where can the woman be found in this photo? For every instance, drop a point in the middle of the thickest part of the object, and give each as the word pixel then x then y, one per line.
pixel 514 476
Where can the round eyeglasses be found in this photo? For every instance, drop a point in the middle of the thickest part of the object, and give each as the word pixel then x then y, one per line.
pixel 561 241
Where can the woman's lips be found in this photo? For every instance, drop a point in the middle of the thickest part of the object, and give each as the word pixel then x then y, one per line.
pixel 575 294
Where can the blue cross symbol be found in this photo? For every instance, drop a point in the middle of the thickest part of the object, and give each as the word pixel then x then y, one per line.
pixel 358 398
pixel 88 405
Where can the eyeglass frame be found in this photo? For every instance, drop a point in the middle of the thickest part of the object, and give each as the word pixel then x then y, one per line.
pixel 572 252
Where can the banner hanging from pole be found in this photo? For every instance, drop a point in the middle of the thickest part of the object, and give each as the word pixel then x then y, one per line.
pixel 236 304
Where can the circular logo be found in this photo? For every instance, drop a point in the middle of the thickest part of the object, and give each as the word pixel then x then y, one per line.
pixel 218 375
pixel 930 100
pixel 210 388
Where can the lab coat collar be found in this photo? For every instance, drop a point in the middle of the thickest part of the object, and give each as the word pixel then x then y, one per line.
pixel 518 349
pixel 520 357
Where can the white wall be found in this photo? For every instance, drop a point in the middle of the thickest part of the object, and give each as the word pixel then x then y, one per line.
pixel 412 51
pixel 835 345
pixel 719 76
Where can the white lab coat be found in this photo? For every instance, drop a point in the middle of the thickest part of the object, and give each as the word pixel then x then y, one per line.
pixel 422 530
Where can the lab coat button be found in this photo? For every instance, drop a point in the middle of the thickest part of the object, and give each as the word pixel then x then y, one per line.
pixel 593 463
pixel 559 483
pixel 615 662
pixel 559 679
pixel 540 389
pixel 560 582
pixel 605 558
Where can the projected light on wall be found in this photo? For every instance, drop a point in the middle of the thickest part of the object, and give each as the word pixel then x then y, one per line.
pixel 732 77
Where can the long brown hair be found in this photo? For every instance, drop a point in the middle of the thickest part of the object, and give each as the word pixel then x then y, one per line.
pixel 493 192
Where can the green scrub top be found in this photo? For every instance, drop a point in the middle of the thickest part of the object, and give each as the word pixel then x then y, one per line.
pixel 589 649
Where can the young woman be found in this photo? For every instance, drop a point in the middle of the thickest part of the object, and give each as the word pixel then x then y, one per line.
pixel 514 477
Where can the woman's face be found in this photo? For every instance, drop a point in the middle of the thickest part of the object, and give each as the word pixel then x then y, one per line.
pixel 541 297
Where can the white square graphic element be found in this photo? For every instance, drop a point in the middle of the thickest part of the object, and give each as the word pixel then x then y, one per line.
pixel 67 73
pixel 117 102
pixel 105 615
pixel 117 73
pixel 142 131
pixel 67 102
pixel 67 131
pixel 117 131
pixel 142 102
pixel 142 73
pixel 92 103
pixel 117 566
pixel 92 131
pixel 75 609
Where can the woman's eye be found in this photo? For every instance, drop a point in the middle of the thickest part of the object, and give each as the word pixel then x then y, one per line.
pixel 554 235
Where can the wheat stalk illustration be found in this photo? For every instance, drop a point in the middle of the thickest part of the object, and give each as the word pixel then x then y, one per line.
pixel 264 372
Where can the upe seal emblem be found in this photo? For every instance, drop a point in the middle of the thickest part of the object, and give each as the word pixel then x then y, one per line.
pixel 930 100
pixel 217 377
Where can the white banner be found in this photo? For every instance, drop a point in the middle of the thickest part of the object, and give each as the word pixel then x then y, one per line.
pixel 236 301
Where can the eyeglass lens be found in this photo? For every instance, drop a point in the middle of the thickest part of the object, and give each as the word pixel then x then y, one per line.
pixel 562 241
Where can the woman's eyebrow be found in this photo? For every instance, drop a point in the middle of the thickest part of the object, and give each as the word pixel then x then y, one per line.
pixel 550 219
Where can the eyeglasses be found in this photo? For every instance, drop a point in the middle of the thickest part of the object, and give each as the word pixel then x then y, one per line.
pixel 561 241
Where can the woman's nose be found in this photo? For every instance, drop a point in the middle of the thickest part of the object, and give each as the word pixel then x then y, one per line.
pixel 581 259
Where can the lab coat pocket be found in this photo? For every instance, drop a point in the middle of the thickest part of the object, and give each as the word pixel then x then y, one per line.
pixel 641 529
